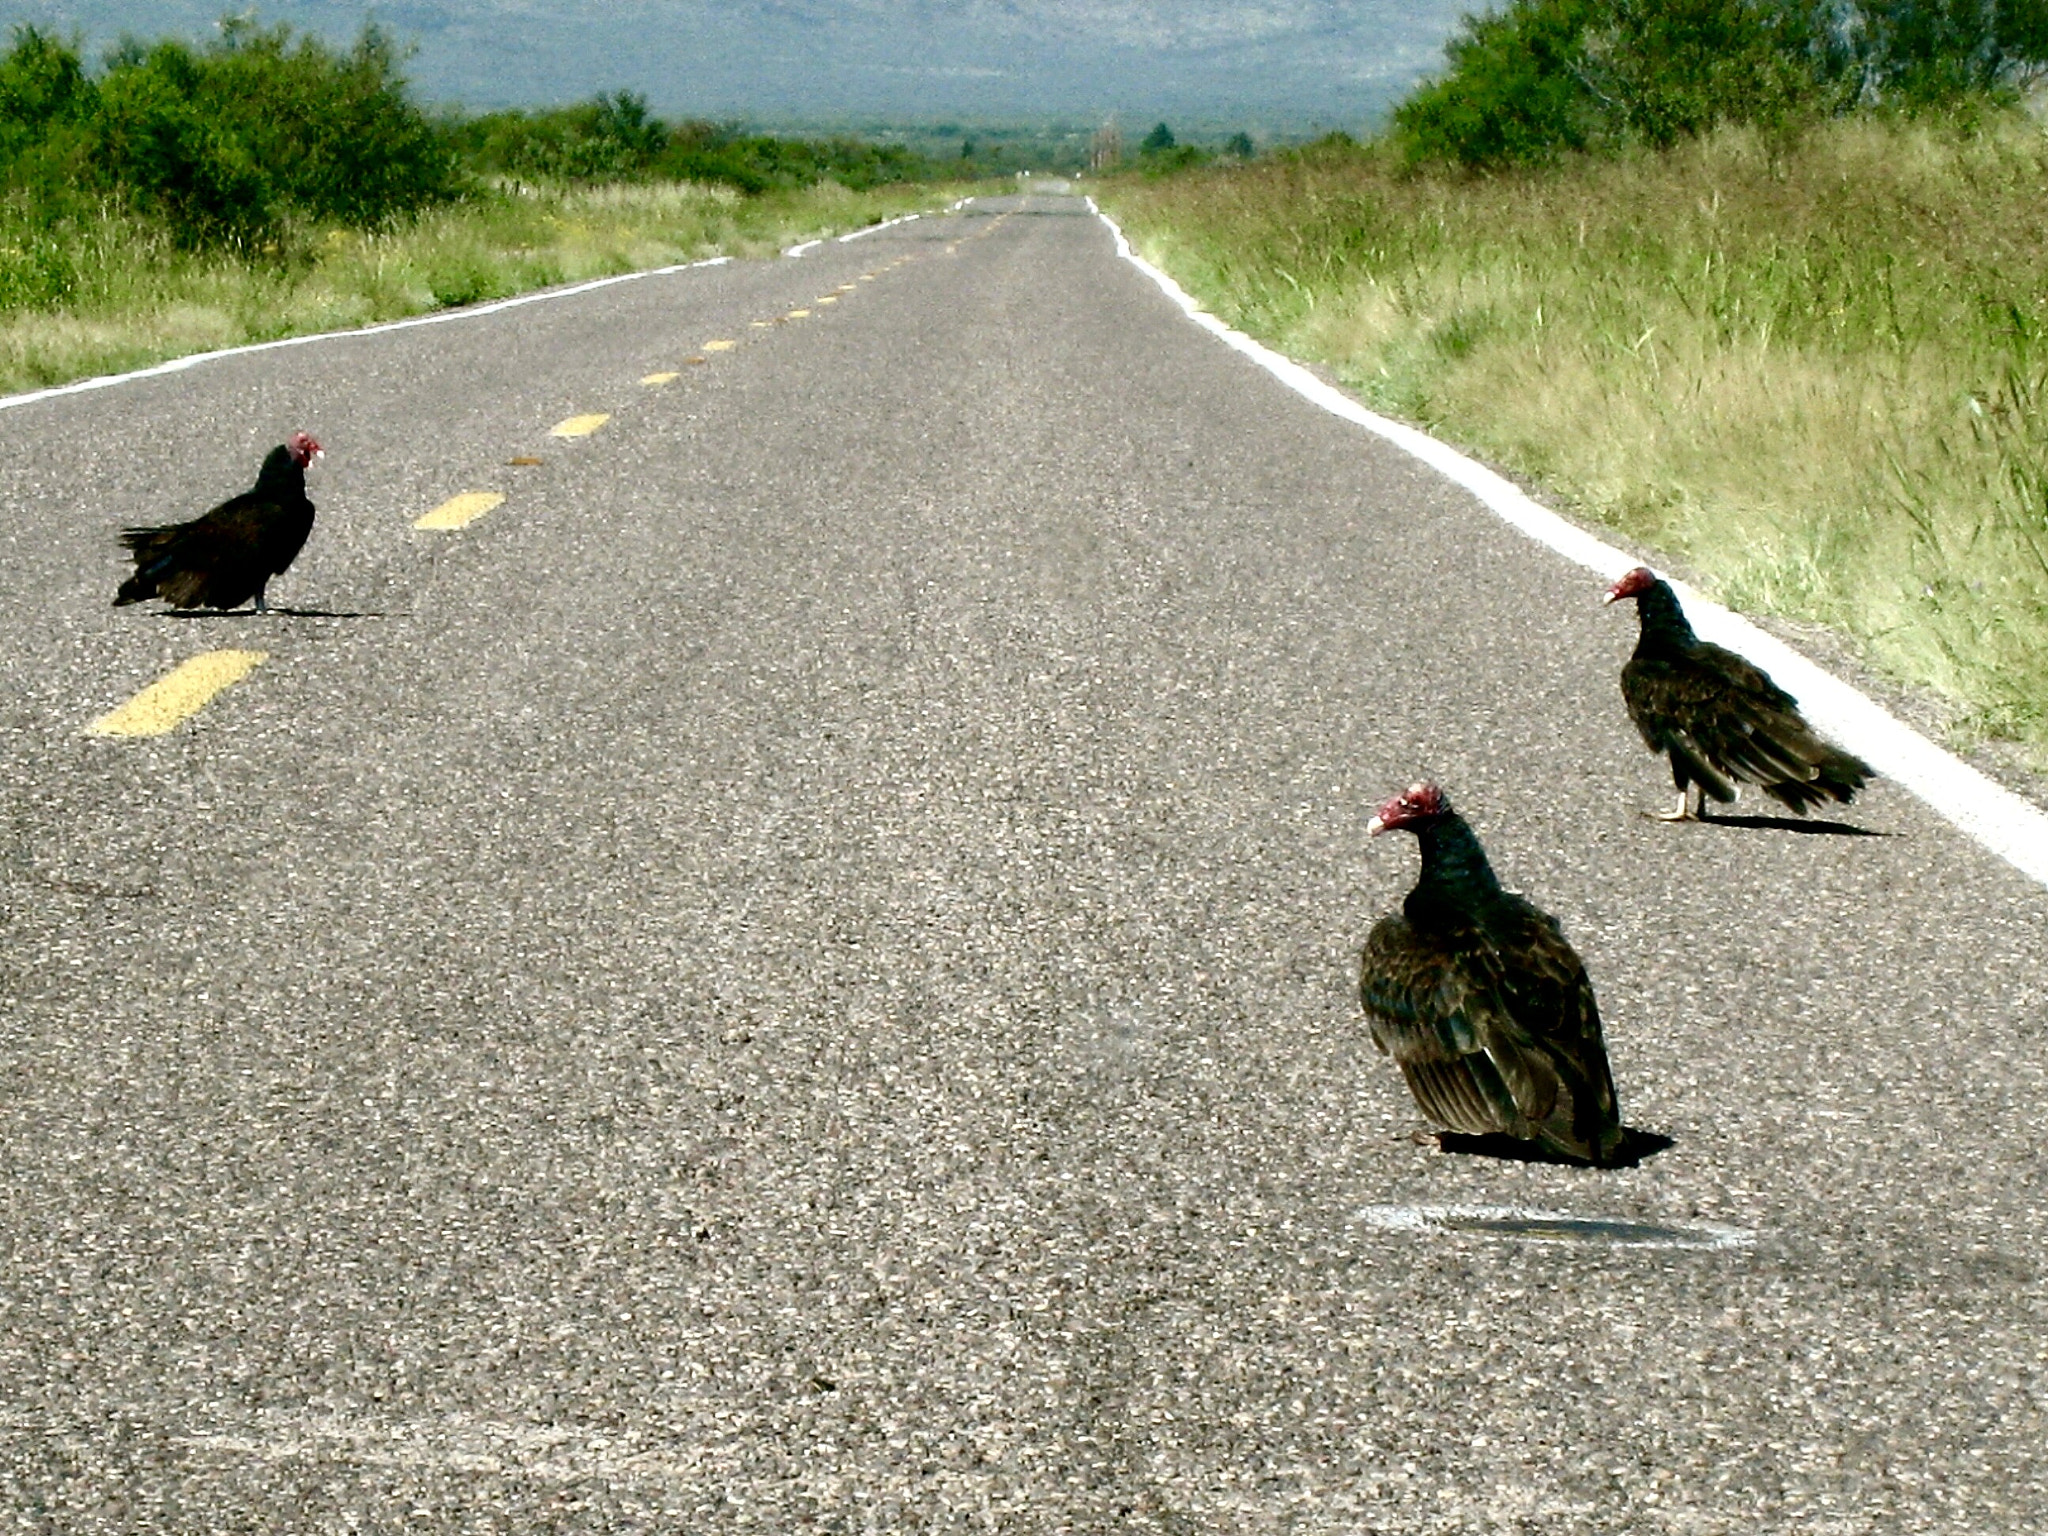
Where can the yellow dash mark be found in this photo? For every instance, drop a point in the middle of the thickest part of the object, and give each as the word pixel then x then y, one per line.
pixel 797 314
pixel 829 298
pixel 661 378
pixel 579 426
pixel 762 325
pixel 695 362
pixel 461 511
pixel 722 346
pixel 179 694
pixel 845 288
pixel 525 460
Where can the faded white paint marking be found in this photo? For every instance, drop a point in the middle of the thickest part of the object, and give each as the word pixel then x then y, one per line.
pixel 1993 815
pixel 1552 1226
pixel 861 234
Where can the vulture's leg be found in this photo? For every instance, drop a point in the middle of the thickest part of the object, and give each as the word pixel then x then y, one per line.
pixel 261 606
pixel 1682 811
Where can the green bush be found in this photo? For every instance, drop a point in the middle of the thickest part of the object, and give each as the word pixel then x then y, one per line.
pixel 45 103
pixel 255 140
pixel 613 138
pixel 1542 78
pixel 1925 52
pixel 222 143
pixel 1515 91
pixel 608 138
pixel 154 137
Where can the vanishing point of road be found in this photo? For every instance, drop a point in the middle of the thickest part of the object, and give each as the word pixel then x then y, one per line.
pixel 787 964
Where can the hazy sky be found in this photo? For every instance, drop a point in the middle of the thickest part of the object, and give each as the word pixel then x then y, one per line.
pixel 1274 63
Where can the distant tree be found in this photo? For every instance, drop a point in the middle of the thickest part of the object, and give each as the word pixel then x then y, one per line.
pixel 1922 51
pixel 1157 141
pixel 1537 78
pixel 1240 145
pixel 967 149
pixel 622 119
pixel 45 100
pixel 1542 77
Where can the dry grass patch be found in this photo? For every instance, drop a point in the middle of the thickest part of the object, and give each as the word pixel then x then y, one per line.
pixel 1808 374
pixel 123 296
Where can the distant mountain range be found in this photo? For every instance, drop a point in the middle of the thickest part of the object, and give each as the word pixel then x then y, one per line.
pixel 1280 65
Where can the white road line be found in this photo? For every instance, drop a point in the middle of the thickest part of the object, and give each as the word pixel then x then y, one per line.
pixel 859 234
pixel 1513 1221
pixel 2002 821
pixel 440 317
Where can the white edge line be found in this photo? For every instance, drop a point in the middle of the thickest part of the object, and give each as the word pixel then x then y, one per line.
pixel 439 317
pixel 1985 810
pixel 861 234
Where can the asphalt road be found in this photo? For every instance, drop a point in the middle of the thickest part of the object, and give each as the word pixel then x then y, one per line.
pixel 799 975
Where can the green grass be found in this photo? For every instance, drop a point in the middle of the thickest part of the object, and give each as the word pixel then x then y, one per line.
pixel 1810 374
pixel 108 292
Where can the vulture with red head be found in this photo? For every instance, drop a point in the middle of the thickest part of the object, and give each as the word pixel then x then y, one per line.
pixel 1480 1001
pixel 1719 718
pixel 227 557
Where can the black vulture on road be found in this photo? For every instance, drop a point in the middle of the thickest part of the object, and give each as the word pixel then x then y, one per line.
pixel 227 557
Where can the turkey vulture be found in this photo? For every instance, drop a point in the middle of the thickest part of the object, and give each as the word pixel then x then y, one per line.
pixel 1480 1001
pixel 228 556
pixel 1721 719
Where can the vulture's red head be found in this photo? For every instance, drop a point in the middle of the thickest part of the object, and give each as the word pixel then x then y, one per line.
pixel 1634 584
pixel 1415 806
pixel 302 448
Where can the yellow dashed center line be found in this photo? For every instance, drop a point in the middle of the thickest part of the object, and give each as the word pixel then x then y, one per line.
pixel 178 695
pixel 719 346
pixel 579 426
pixel 797 314
pixel 829 298
pixel 461 511
pixel 762 325
pixel 654 379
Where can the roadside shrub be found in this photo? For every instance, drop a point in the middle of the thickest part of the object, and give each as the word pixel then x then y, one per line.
pixel 45 102
pixel 1515 91
pixel 222 143
pixel 1542 78
pixel 608 138
pixel 615 138
pixel 155 138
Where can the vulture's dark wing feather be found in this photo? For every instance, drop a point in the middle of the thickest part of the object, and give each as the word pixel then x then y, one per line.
pixel 1722 720
pixel 224 558
pixel 1494 1027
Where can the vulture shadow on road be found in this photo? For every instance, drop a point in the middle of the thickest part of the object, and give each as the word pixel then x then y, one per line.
pixel 203 614
pixel 1792 824
pixel 1636 1148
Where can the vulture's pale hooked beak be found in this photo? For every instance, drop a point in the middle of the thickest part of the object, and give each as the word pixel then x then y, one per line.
pixel 1375 827
pixel 1609 596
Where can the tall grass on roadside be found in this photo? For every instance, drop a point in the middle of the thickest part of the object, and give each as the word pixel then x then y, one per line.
pixel 1811 373
pixel 107 290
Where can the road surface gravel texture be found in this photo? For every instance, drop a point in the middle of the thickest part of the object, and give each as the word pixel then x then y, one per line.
pixel 800 973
